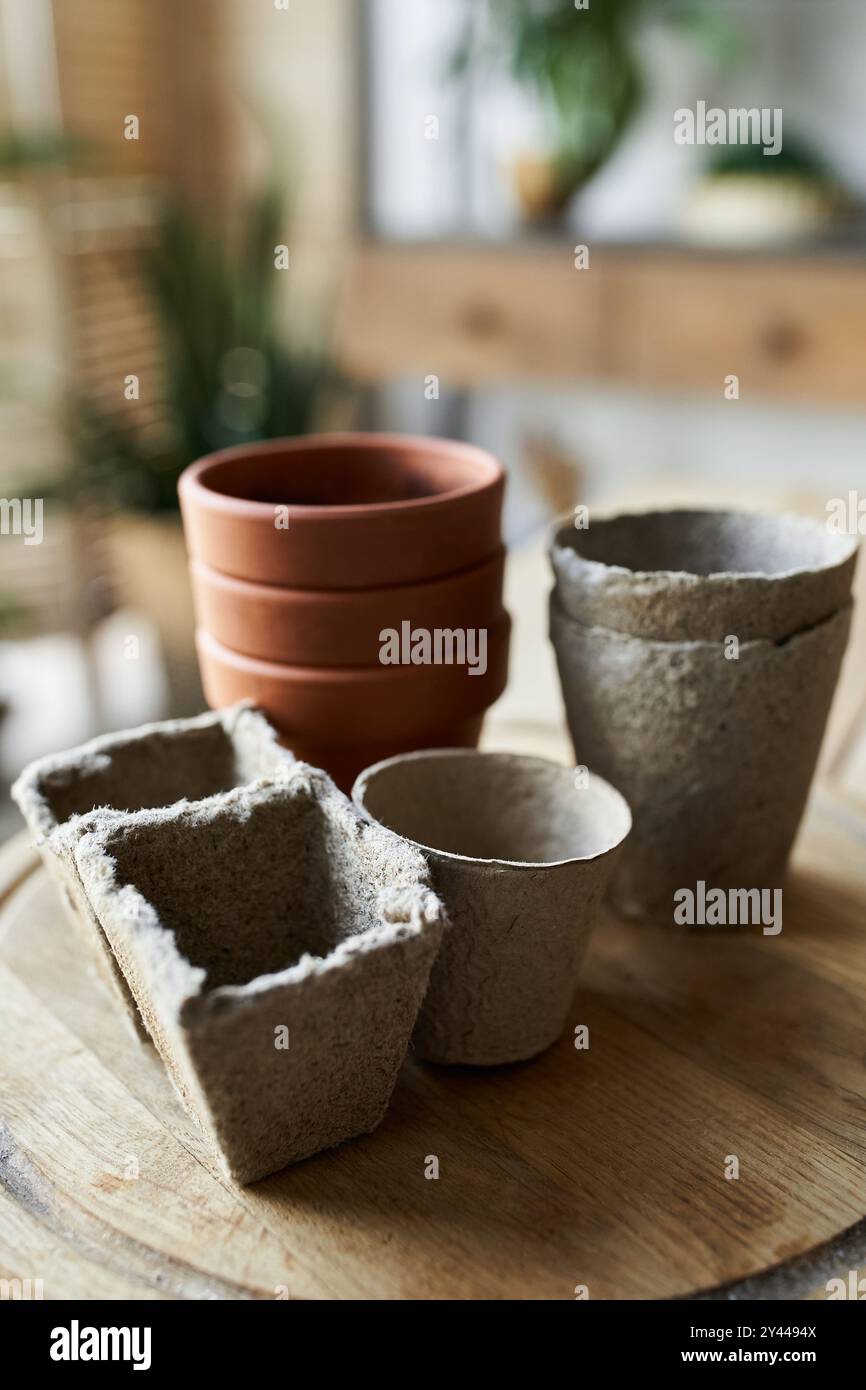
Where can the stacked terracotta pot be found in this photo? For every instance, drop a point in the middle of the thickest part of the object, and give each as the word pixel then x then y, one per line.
pixel 305 553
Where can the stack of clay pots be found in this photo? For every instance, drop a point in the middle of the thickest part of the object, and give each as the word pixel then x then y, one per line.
pixel 304 552
pixel 698 654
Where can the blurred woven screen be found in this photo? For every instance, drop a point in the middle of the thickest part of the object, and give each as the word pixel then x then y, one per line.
pixel 84 200
pixel 118 65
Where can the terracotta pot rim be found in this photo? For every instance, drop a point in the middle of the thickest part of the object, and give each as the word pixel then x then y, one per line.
pixel 193 486
pixel 347 676
pixel 838 554
pixel 524 760
pixel 252 588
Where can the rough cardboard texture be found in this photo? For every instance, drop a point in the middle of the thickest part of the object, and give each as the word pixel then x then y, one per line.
pixel 154 765
pixel 714 755
pixel 273 906
pixel 521 857
pixel 701 576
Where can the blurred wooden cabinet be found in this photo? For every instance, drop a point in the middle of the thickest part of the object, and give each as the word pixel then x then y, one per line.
pixel 787 326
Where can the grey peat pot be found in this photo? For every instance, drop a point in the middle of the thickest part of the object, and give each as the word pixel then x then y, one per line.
pixel 153 765
pixel 520 851
pixel 698 654
pixel 278 948
pixel 683 576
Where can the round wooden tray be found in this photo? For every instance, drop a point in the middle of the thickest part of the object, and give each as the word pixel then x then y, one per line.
pixel 603 1168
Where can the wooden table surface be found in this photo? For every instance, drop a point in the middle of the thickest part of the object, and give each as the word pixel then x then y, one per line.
pixel 603 1168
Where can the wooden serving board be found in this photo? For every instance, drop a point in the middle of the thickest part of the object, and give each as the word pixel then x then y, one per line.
pixel 602 1168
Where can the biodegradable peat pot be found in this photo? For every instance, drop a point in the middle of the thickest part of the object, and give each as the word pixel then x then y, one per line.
pixel 520 855
pixel 343 511
pixel 714 754
pixel 154 765
pixel 278 948
pixel 358 711
pixel 312 627
pixel 702 575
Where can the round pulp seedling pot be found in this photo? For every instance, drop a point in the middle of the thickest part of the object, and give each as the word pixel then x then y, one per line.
pixel 715 754
pixel 521 852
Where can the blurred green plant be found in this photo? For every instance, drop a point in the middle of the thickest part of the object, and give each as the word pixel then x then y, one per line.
pixel 231 375
pixel 13 616
pixel 795 160
pixel 40 150
pixel 586 66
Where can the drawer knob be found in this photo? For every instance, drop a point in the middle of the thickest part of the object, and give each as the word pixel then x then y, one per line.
pixel 782 339
pixel 482 318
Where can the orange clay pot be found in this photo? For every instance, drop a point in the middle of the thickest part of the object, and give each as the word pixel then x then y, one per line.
pixel 346 764
pixel 341 718
pixel 343 511
pixel 316 627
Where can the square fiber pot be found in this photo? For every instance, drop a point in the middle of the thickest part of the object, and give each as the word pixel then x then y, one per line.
pixel 278 948
pixel 154 765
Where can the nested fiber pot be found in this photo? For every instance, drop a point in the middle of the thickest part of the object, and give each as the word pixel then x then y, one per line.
pixel 702 575
pixel 278 948
pixel 154 765
pixel 317 627
pixel 343 511
pixel 520 854
pixel 714 743
pixel 345 716
pixel 714 754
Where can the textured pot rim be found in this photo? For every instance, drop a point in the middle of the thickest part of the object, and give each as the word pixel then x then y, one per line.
pixel 564 525
pixel 29 792
pixel 334 675
pixel 193 487
pixel 516 865
pixel 562 617
pixel 251 588
pixel 194 998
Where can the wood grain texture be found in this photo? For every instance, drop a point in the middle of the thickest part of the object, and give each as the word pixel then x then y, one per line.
pixel 602 1167
pixel 789 327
